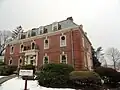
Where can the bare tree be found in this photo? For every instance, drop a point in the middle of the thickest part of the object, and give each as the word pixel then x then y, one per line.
pixel 114 55
pixel 16 31
pixel 3 38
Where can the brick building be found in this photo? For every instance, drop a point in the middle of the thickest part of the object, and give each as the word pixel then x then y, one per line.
pixel 59 42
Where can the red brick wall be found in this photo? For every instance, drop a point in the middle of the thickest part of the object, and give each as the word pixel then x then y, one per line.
pixel 54 50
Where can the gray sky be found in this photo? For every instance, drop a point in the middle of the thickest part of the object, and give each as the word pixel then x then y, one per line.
pixel 101 18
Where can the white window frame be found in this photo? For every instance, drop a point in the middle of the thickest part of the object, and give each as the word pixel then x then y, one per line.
pixel 61 58
pixel 44 58
pixel 61 45
pixel 45 43
pixel 11 51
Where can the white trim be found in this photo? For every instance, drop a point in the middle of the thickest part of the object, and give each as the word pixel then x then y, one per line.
pixel 61 58
pixel 61 45
pixel 44 58
pixel 45 46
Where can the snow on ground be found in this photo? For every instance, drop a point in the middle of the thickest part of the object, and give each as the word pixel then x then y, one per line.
pixel 18 84
pixel 2 76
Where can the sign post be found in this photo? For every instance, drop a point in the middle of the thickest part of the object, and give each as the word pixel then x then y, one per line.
pixel 26 73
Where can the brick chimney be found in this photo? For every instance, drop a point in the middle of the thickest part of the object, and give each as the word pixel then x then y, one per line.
pixel 81 26
pixel 70 18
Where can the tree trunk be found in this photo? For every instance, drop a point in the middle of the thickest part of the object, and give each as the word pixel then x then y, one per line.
pixel 114 65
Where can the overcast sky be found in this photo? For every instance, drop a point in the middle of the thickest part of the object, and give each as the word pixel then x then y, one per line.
pixel 100 18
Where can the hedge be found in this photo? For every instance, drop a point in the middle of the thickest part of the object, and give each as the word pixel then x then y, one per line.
pixel 85 79
pixel 54 75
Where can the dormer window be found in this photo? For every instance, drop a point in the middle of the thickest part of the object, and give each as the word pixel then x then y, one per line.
pixel 62 40
pixel 45 30
pixel 33 33
pixel 55 26
pixel 46 43
pixel 59 26
pixel 11 49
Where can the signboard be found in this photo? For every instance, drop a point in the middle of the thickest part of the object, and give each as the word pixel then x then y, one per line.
pixel 26 72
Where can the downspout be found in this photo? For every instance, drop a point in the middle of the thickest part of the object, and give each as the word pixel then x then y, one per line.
pixel 73 62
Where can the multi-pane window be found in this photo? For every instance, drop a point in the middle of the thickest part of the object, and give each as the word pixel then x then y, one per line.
pixel 46 43
pixel 62 41
pixel 45 60
pixel 63 58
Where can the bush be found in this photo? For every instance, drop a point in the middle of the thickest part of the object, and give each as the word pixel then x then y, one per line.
pixel 7 70
pixel 110 76
pixel 54 75
pixel 85 80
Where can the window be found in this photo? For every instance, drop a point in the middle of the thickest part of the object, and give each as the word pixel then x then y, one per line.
pixel 62 41
pixel 20 61
pixel 33 45
pixel 59 26
pixel 45 30
pixel 10 62
pixel 45 59
pixel 21 48
pixel 12 49
pixel 63 58
pixel 46 43
pixel 55 26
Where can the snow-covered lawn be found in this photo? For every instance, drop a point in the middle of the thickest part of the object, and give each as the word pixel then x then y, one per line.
pixel 18 84
pixel 2 76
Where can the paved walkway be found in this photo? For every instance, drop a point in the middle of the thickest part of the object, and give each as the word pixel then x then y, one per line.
pixel 3 79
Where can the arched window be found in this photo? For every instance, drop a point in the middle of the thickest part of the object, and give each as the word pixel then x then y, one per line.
pixel 33 45
pixel 10 61
pixel 62 41
pixel 21 48
pixel 20 61
pixel 46 43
